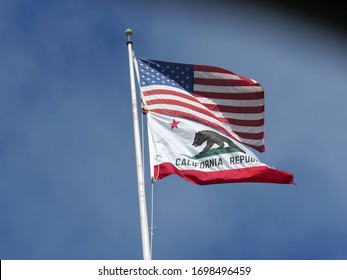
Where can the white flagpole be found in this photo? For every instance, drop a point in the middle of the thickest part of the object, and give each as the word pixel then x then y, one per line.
pixel 146 249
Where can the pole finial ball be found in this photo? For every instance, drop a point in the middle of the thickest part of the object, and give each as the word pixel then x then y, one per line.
pixel 128 32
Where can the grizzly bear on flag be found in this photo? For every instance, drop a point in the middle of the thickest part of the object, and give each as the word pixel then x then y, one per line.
pixel 212 138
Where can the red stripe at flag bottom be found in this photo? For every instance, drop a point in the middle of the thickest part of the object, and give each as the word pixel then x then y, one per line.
pixel 259 174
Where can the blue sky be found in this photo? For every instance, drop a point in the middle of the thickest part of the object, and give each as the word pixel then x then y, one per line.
pixel 68 187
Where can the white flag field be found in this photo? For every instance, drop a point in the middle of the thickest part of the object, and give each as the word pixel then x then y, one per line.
pixel 203 155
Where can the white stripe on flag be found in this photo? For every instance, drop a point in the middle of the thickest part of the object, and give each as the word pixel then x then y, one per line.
pixel 215 75
pixel 232 102
pixel 237 116
pixel 227 89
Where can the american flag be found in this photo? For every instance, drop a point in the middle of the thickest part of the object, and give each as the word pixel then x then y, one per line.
pixel 210 95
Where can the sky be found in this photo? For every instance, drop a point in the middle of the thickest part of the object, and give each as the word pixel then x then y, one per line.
pixel 68 186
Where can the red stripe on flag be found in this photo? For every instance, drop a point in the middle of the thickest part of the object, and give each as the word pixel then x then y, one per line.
pixel 222 82
pixel 254 136
pixel 220 70
pixel 236 96
pixel 212 69
pixel 235 109
pixel 254 123
pixel 154 92
pixel 260 148
pixel 259 174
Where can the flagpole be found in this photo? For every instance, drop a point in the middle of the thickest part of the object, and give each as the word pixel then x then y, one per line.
pixel 146 250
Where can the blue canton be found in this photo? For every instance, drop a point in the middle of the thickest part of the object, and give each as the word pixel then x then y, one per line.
pixel 161 73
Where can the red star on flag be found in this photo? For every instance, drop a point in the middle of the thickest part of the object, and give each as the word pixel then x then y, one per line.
pixel 174 124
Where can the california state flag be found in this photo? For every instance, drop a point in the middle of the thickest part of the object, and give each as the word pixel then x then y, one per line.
pixel 203 155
